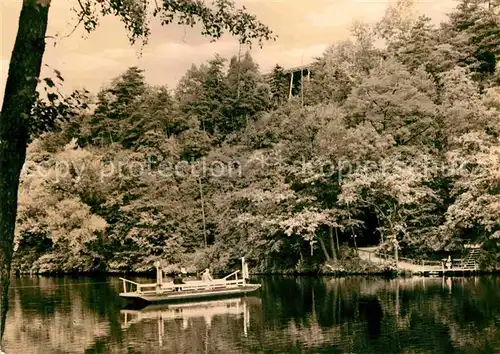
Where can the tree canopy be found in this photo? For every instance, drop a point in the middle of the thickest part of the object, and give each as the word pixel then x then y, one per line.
pixel 25 114
pixel 399 142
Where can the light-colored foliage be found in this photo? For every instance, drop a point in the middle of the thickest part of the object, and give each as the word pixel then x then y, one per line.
pixel 392 143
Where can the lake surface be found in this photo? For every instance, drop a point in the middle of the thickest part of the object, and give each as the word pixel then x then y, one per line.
pixel 288 315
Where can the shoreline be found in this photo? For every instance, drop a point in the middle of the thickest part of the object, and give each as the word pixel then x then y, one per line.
pixel 340 274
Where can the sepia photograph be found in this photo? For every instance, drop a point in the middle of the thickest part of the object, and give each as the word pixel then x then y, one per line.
pixel 249 176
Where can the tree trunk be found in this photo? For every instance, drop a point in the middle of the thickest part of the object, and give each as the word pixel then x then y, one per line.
pixel 337 239
pixel 20 89
pixel 353 235
pixel 332 243
pixel 323 247
pixel 203 214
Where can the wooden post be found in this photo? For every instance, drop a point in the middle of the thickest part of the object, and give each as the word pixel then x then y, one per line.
pixel 291 86
pixel 157 266
pixel 244 271
pixel 396 254
pixel 302 87
pixel 159 275
pixel 239 69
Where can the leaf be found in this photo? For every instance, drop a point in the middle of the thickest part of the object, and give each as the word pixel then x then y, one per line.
pixel 58 74
pixel 49 82
pixel 52 97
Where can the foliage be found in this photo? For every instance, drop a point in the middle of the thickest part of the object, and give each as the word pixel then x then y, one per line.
pixel 218 18
pixel 54 218
pixel 393 143
pixel 22 103
pixel 279 86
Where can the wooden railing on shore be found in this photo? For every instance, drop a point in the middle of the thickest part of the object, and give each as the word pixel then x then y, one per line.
pixel 421 262
pixel 389 258
pixel 457 264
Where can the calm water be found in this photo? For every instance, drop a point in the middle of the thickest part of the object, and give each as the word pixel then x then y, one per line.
pixel 288 315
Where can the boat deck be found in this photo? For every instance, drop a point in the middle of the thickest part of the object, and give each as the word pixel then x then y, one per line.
pixel 168 291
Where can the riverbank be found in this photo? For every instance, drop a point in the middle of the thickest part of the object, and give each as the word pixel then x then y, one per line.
pixel 339 268
pixel 151 274
pixel 386 272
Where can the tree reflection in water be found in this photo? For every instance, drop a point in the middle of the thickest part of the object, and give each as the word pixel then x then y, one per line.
pixel 360 315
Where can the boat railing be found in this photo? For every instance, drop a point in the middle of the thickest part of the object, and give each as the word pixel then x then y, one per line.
pixel 132 283
pixel 135 287
pixel 235 273
pixel 132 288
pixel 202 285
pixel 188 286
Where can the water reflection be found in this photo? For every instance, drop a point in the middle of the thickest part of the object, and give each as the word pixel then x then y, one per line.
pixel 288 315
pixel 185 315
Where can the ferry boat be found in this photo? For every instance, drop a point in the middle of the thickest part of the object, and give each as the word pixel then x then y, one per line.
pixel 161 291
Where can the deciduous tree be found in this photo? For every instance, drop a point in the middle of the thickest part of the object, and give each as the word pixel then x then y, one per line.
pixel 24 70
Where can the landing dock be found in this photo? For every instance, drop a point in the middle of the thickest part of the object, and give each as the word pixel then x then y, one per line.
pixel 457 267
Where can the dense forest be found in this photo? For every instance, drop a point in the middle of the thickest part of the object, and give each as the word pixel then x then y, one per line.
pixel 384 143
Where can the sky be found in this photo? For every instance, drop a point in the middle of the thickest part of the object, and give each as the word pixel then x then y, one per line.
pixel 304 29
